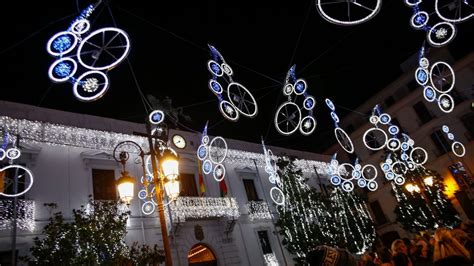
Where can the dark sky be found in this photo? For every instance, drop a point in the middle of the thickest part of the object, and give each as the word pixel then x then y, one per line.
pixel 259 39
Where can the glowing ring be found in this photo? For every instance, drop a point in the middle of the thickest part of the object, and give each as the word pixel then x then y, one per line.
pixel 330 104
pixel 421 76
pixel 424 62
pixel 309 99
pixel 228 110
pixel 305 120
pixel 288 89
pixel 212 150
pixel 416 161
pixel 102 91
pixel 277 196
pixel 461 147
pixel 423 23
pixel 393 130
pixel 55 64
pixel 445 129
pixel 446 103
pixel 382 145
pixel 416 2
pixel 219 172
pixel 305 86
pixel 404 157
pixel 118 32
pixel 16 153
pixel 345 166
pixel 347 140
pixel 458 11
pixel 385 167
pixel 372 185
pixel 385 119
pixel 335 180
pixel 84 24
pixel 30 174
pixel 403 170
pixel 389 175
pixel 227 69
pixel 399 180
pixel 240 101
pixel 393 141
pixel 440 77
pixel 434 29
pixel 217 89
pixel 365 168
pixel 429 94
pixel 347 186
pixel 450 136
pixel 292 120
pixel 411 165
pixel 202 152
pixel 207 167
pixel 374 120
pixel 149 171
pixel 152 115
pixel 205 140
pixel 51 40
pixel 142 194
pixel 148 208
pixel 219 72
pixel 362 182
pixel 349 22
pixel 335 118
pixel 2 154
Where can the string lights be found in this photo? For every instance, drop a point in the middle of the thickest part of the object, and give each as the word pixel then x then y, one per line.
pixel 258 210
pixel 25 215
pixel 201 207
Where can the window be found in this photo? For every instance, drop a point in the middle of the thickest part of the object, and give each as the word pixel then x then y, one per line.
pixel 389 101
pixel 188 185
pixel 468 121
pixel 103 182
pixel 264 242
pixel 250 190
pixel 440 141
pixel 422 112
pixel 380 218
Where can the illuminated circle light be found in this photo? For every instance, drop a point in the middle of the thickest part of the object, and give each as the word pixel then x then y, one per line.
pixel 300 86
pixel 436 77
pixel 346 6
pixel 445 128
pixel 215 87
pixel 399 180
pixel 156 117
pixel 288 114
pixel 277 196
pixel 307 125
pixel 419 19
pixel 61 43
pixel 372 185
pixel 393 144
pixel 80 26
pixel 13 153
pixel 218 150
pixel 214 68
pixel 345 171
pixel 374 120
pixel 399 168
pixel 228 110
pixel 458 149
pixel 335 180
pixel 344 140
pixel 2 154
pixel 227 69
pixel 207 167
pixel 443 31
pixel 202 152
pixel 369 172
pixel 446 103
pixel 28 173
pixel 457 11
pixel 309 103
pixel 362 183
pixel 429 93
pixel 335 118
pixel 412 2
pixel 385 119
pixel 370 132
pixel 142 194
pixel 219 172
pixel 148 208
pixel 241 98
pixel 394 130
pixel 424 62
pixel 421 76
pixel 416 157
pixel 205 140
pixel 88 80
pixel 288 89
pixel 389 175
pixel 330 105
pixel 62 69
pixel 347 186
pixel 117 33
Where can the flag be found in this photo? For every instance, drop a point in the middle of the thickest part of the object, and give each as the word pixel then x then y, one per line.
pixel 223 188
pixel 202 186
pixel 2 181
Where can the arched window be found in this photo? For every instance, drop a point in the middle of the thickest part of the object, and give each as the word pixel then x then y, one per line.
pixel 201 255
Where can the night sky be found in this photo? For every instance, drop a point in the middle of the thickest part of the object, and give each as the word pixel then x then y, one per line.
pixel 259 39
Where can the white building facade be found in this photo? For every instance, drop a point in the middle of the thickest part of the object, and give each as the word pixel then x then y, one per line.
pixel 71 158
pixel 403 100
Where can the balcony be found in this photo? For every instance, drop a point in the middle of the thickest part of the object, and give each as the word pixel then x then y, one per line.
pixel 25 215
pixel 258 210
pixel 185 208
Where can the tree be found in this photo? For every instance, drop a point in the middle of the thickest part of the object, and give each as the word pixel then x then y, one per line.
pixel 310 218
pixel 425 206
pixel 95 236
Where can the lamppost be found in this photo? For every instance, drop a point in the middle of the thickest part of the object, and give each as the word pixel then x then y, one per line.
pixel 165 165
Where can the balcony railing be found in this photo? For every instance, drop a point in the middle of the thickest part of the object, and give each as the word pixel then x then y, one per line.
pixel 258 210
pixel 25 210
pixel 185 208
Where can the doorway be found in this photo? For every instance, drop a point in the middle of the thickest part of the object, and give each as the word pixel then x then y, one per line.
pixel 201 255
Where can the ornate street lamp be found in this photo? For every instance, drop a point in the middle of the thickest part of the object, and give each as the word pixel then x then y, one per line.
pixel 165 171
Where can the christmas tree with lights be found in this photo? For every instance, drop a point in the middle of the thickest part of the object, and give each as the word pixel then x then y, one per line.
pixel 422 204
